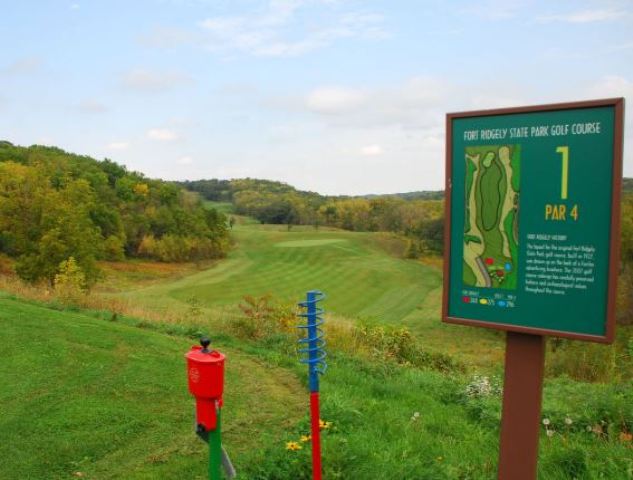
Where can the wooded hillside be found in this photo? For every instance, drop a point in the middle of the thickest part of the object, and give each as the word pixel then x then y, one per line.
pixel 55 205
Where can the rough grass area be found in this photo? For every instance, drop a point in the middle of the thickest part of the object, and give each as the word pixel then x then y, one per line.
pixel 106 400
pixel 131 274
pixel 86 398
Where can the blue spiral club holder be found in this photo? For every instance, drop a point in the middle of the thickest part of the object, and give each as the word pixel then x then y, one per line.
pixel 312 351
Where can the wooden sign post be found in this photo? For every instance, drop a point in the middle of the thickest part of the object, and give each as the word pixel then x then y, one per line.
pixel 532 242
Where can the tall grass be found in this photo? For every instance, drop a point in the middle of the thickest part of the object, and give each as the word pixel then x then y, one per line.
pixel 186 313
pixel 264 319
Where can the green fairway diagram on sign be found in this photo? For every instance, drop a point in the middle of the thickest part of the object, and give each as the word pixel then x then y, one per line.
pixel 532 218
pixel 491 216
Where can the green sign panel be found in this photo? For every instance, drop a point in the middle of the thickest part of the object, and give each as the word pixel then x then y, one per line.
pixel 532 212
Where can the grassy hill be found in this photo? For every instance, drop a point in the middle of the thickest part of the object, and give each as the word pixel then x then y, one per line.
pixel 360 277
pixel 363 275
pixel 84 397
pixel 80 394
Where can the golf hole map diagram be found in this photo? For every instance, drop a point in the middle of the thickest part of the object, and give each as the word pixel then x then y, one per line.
pixel 491 219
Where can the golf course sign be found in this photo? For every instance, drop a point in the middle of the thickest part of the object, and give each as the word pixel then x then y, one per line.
pixel 532 218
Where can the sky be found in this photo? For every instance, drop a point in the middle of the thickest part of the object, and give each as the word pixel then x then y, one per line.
pixel 333 96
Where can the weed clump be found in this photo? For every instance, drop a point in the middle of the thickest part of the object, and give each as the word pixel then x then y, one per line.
pixel 273 324
pixel 397 344
pixel 262 319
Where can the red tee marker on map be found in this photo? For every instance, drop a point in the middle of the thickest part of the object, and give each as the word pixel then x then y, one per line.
pixel 466 299
pixel 489 261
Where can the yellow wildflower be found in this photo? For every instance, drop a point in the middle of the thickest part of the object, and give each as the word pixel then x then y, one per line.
pixel 323 425
pixel 293 446
pixel 306 438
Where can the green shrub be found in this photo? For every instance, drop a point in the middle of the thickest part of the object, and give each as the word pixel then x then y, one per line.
pixel 567 462
pixel 177 248
pixel 397 344
pixel 113 248
pixel 624 301
pixel 386 342
pixel 583 361
pixel 412 250
pixel 263 318
pixel 70 282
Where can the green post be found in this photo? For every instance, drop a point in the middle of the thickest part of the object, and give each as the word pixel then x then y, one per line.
pixel 215 449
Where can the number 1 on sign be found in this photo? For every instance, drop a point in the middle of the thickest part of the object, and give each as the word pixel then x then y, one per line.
pixel 564 151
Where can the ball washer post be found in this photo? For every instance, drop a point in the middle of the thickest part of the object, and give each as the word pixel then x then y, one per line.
pixel 205 371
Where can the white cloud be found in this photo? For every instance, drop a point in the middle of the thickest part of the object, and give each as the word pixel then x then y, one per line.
pixel 186 160
pixel 585 16
pixel 414 103
pixel 118 145
pixel 333 100
pixel 152 81
pixel 612 86
pixel 238 172
pixel 494 10
pixel 162 134
pixel 46 141
pixel 89 105
pixel 167 37
pixel 280 30
pixel 371 151
pixel 22 66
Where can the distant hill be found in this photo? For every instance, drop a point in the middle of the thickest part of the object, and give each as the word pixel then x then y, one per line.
pixel 223 190
pixel 417 195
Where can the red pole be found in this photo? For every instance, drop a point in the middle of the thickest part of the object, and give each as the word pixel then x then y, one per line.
pixel 316 435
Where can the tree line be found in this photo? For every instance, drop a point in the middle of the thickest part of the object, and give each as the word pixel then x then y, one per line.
pixel 55 205
pixel 416 215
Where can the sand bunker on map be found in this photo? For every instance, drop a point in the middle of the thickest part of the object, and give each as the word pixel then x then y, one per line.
pixel 491 237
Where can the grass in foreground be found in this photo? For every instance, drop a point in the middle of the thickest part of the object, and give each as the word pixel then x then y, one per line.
pixel 85 395
pixel 109 400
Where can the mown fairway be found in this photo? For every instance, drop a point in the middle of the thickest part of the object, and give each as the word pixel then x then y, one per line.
pixel 360 278
pixel 363 275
